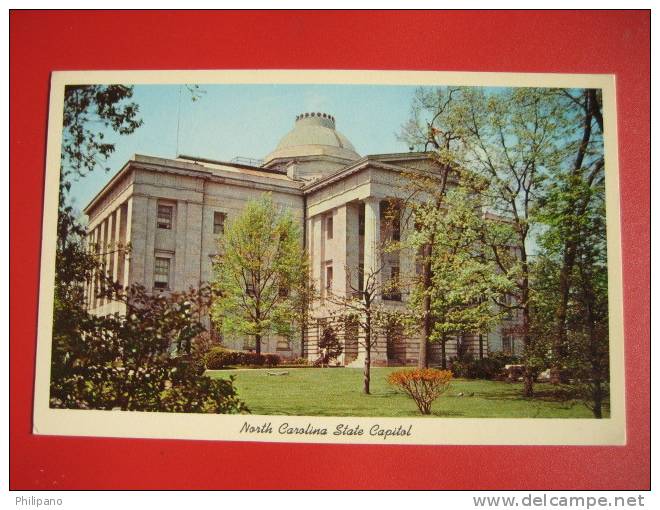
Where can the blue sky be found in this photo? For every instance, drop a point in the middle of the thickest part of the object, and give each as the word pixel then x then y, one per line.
pixel 249 121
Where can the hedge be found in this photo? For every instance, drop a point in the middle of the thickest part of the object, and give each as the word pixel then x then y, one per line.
pixel 219 357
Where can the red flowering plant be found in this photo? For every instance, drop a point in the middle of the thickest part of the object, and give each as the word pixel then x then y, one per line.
pixel 423 385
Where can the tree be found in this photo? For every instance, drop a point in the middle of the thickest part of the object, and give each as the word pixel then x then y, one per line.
pixel 90 111
pixel 510 140
pixel 464 283
pixel 132 361
pixel 260 274
pixel 573 307
pixel 117 361
pixel 365 308
pixel 565 210
pixel 330 346
pixel 431 109
pixel 588 353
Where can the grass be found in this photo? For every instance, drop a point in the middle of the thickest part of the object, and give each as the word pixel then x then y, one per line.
pixel 338 392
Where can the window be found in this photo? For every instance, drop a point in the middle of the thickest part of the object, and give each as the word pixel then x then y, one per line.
pixel 361 277
pixel 283 344
pixel 164 216
pixel 393 292
pixel 361 222
pixel 328 277
pixel 507 344
pixel 390 220
pixel 219 222
pixel 162 273
pixel 396 227
pixel 328 227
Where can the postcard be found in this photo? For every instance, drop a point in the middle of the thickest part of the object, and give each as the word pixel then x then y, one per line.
pixel 332 257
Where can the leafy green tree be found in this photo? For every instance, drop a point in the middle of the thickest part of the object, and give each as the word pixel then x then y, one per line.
pixel 261 273
pixel 90 112
pixel 510 140
pixel 129 361
pixel 464 283
pixel 431 109
pixel 117 361
pixel 572 309
pixel 567 209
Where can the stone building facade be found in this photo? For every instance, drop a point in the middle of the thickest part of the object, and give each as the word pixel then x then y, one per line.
pixel 172 211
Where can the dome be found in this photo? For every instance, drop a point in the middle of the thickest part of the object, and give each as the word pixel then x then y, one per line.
pixel 314 134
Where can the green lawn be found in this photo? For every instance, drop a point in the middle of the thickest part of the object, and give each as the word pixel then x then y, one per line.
pixel 338 392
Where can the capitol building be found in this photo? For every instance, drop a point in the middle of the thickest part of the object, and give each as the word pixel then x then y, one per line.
pixel 172 211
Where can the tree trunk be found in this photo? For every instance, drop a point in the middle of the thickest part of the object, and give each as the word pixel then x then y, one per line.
pixel 528 382
pixel 443 351
pixel 598 399
pixel 257 344
pixel 559 343
pixel 367 353
pixel 481 346
pixel 592 110
pixel 426 308
pixel 367 372
pixel 528 373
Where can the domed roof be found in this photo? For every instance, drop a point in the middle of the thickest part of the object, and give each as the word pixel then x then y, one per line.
pixel 314 134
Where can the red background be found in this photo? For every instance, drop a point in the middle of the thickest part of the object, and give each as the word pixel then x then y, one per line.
pixel 566 42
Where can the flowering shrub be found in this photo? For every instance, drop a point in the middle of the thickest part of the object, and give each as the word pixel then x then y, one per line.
pixel 422 385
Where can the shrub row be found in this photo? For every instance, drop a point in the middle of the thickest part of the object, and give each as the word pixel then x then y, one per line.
pixel 302 362
pixel 219 357
pixel 487 368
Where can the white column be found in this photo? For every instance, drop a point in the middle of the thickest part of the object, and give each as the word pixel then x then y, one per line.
pixel 371 262
pixel 113 228
pixel 339 251
pixel 372 256
pixel 407 255
pixel 98 249
pixel 352 247
pixel 318 255
pixel 179 270
pixel 120 244
pixel 90 284
pixel 127 239
pixel 193 247
pixel 103 255
pixel 152 208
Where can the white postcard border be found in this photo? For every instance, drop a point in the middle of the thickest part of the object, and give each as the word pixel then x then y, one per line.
pixel 409 430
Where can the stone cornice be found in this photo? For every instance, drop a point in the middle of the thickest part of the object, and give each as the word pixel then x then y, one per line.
pixel 218 175
pixel 194 170
pixel 361 164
